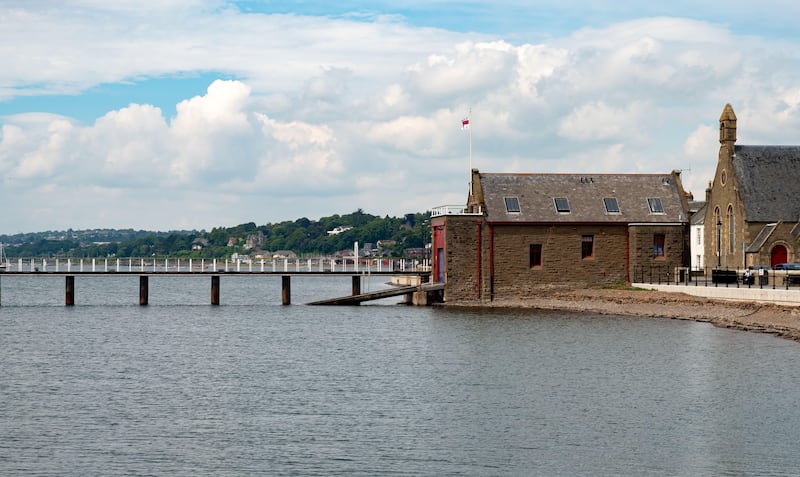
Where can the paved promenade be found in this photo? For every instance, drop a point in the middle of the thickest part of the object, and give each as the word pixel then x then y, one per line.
pixel 777 296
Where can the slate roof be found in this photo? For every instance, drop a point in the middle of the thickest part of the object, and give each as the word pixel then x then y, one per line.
pixel 769 182
pixel 585 193
pixel 699 217
pixel 761 238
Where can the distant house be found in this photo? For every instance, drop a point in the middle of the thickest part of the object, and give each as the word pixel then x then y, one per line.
pixel 254 241
pixel 240 257
pixel 368 250
pixel 417 253
pixel 345 252
pixel 521 234
pixel 199 244
pixel 753 204
pixel 339 229
pixel 284 255
pixel 385 247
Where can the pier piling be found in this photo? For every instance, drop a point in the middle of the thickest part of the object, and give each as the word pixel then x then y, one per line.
pixel 286 290
pixel 143 290
pixel 215 289
pixel 70 290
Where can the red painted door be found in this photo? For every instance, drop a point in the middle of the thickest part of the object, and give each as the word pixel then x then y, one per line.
pixel 440 261
pixel 778 255
pixel 438 246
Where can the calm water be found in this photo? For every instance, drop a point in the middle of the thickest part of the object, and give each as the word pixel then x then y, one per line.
pixel 252 387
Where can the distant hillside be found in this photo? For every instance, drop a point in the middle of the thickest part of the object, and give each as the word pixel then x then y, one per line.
pixel 302 236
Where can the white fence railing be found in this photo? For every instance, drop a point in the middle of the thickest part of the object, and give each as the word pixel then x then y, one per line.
pixel 213 265
pixel 452 210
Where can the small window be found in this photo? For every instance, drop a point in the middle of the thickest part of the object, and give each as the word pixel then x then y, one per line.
pixel 536 255
pixel 587 246
pixel 612 206
pixel 658 245
pixel 562 205
pixel 655 205
pixel 512 204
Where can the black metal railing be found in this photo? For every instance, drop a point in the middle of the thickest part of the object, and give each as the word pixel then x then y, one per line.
pixel 742 277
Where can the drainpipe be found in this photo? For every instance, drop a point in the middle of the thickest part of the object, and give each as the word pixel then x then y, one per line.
pixel 628 254
pixel 480 258
pixel 491 262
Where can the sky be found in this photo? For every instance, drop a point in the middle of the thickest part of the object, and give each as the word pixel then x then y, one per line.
pixel 194 114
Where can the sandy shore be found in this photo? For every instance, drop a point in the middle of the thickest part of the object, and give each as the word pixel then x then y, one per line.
pixel 783 321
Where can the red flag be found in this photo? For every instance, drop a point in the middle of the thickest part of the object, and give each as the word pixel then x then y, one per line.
pixel 465 123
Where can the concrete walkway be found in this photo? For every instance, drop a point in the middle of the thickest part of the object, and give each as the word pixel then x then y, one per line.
pixel 777 296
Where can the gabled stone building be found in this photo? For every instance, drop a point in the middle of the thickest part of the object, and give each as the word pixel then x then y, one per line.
pixel 522 233
pixel 753 203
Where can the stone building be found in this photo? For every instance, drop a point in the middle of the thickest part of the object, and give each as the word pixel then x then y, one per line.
pixel 521 233
pixel 752 208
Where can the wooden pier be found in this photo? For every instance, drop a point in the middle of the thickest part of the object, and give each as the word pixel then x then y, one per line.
pixel 144 268
pixel 216 276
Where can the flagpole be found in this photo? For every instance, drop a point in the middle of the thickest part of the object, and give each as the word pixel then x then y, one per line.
pixel 470 145
pixel 469 127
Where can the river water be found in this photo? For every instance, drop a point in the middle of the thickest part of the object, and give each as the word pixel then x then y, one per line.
pixel 255 388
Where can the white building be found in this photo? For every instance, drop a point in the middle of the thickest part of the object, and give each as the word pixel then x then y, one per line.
pixel 696 239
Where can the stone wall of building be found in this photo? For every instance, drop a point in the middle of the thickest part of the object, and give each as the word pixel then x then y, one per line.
pixel 730 250
pixel 503 269
pixel 462 258
pixel 562 264
pixel 643 259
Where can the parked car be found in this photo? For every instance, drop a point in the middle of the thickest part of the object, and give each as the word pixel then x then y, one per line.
pixel 787 266
pixel 790 272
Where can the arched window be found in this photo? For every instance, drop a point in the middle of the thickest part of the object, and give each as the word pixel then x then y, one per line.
pixel 731 241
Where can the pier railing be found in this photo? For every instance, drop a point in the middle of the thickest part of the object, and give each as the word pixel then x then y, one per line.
pixel 213 265
pixel 215 268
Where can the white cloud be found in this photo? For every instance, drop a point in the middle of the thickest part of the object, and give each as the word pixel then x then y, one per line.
pixel 600 122
pixel 37 147
pixel 700 166
pixel 127 146
pixel 301 157
pixel 334 114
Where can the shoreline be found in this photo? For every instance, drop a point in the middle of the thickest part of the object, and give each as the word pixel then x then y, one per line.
pixel 779 320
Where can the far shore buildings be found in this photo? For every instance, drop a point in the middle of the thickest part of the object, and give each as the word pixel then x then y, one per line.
pixel 752 214
pixel 520 234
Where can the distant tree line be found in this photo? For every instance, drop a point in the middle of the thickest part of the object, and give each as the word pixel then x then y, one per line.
pixel 302 236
